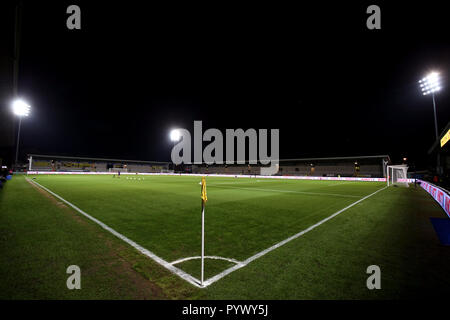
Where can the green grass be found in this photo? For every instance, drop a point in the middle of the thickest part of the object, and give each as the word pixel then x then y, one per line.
pixel 39 239
pixel 243 217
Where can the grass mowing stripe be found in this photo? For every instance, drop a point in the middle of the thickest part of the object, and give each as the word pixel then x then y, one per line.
pixel 151 255
pixel 262 253
pixel 287 191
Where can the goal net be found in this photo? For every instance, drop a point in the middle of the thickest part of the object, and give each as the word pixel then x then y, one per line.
pixel 397 175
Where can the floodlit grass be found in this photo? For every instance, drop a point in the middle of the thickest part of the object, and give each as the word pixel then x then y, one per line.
pixel 40 238
pixel 243 217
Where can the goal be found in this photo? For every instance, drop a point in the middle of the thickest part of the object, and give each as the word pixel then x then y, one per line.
pixel 397 175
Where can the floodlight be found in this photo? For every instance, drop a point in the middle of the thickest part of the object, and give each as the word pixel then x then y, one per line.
pixel 21 108
pixel 175 135
pixel 430 83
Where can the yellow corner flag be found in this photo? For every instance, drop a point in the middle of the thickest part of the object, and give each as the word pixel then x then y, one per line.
pixel 204 197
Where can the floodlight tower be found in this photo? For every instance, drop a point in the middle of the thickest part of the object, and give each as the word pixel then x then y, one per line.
pixel 175 136
pixel 429 85
pixel 21 109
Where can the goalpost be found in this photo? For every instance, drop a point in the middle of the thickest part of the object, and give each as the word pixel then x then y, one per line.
pixel 397 175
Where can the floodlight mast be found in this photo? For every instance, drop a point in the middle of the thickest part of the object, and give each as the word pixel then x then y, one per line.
pixel 175 136
pixel 435 117
pixel 431 84
pixel 21 109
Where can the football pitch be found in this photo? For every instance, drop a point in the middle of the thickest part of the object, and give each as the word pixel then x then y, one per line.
pixel 245 217
pixel 257 230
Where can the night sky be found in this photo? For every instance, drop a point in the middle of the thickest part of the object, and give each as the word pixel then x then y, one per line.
pixel 333 88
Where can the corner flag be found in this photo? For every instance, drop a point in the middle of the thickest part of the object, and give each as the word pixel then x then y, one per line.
pixel 204 199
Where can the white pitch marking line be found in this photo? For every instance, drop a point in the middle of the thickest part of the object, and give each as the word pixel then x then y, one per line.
pixel 288 191
pixel 279 244
pixel 185 276
pixel 206 257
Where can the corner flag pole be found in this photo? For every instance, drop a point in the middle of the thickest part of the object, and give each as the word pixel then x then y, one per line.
pixel 203 241
pixel 204 199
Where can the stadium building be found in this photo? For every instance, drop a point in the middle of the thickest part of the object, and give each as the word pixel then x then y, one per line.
pixel 82 164
pixel 360 166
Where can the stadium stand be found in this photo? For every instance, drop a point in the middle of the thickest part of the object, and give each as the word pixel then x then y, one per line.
pixel 362 166
pixel 77 164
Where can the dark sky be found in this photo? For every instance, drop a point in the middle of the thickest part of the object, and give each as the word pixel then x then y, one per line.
pixel 133 72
